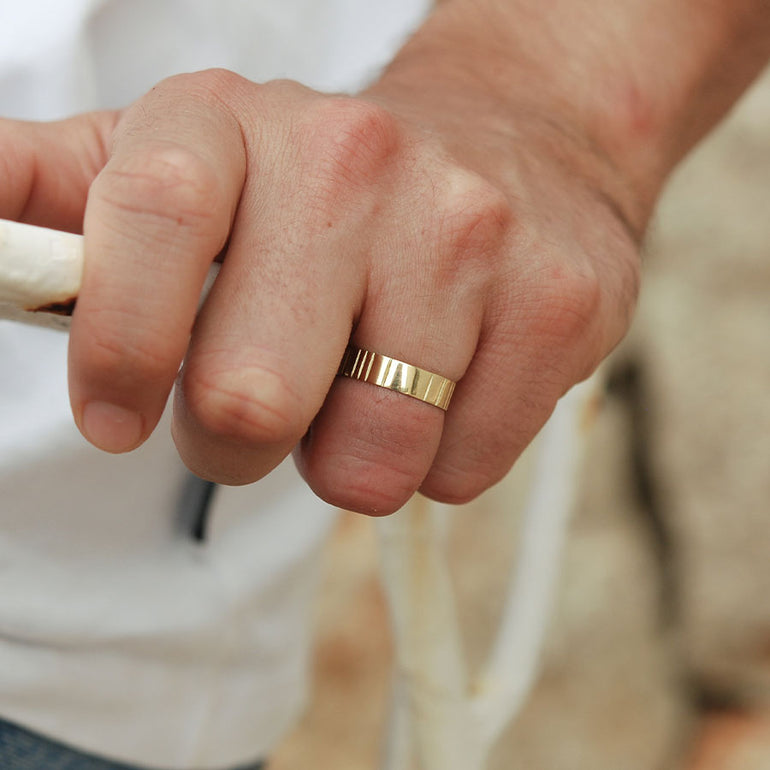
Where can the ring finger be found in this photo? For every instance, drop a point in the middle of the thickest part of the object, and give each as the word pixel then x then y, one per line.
pixel 370 447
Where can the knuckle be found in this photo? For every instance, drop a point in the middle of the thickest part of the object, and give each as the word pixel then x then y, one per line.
pixel 475 216
pixel 252 406
pixel 212 82
pixel 283 89
pixel 474 224
pixel 217 89
pixel 351 142
pixel 570 302
pixel 167 183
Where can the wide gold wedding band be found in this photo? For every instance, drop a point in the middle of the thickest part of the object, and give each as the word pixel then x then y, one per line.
pixel 386 372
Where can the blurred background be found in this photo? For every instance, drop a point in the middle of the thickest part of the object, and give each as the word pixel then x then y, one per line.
pixel 658 651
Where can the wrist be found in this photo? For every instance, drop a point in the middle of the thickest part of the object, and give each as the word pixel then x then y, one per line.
pixel 623 89
pixel 495 114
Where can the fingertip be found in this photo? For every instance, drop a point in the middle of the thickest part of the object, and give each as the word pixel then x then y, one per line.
pixel 352 485
pixel 112 428
pixel 369 449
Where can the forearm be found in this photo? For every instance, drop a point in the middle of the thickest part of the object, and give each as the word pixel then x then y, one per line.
pixel 641 80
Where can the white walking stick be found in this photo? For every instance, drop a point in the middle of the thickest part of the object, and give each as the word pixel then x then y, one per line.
pixel 440 719
pixel 40 273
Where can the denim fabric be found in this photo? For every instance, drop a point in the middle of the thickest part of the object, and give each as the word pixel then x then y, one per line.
pixel 21 749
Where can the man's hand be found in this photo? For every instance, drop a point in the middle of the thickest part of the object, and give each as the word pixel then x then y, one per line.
pixel 488 238
pixel 338 218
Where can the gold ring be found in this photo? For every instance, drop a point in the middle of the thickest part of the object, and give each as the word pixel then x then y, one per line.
pixel 366 366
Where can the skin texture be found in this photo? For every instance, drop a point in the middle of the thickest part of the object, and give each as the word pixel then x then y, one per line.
pixel 477 212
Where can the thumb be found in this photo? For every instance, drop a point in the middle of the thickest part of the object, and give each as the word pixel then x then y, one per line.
pixel 47 168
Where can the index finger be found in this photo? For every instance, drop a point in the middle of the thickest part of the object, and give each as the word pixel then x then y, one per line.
pixel 157 216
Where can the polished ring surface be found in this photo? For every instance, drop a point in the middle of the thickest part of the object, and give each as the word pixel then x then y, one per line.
pixel 360 364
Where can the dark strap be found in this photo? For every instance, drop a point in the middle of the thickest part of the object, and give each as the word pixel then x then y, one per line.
pixel 194 507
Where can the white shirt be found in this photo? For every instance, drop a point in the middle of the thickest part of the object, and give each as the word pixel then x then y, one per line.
pixel 119 632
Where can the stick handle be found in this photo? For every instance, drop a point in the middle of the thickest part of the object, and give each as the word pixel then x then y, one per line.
pixel 41 271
